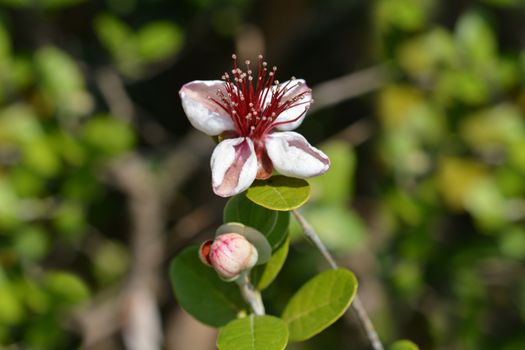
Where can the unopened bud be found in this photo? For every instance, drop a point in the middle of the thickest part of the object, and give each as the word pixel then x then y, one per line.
pixel 229 254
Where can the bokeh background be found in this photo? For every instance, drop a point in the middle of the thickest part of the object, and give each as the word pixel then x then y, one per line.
pixel 419 103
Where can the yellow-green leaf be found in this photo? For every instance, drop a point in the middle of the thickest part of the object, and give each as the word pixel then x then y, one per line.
pixel 279 193
pixel 254 333
pixel 319 303
pixel 403 345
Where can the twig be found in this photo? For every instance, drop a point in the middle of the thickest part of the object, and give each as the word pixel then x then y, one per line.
pixel 250 294
pixel 121 106
pixel 99 319
pixel 362 315
pixel 113 90
pixel 312 235
pixel 370 331
pixel 141 321
pixel 356 133
pixel 338 90
pixel 149 195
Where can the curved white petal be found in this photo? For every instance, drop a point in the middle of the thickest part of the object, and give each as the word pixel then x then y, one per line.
pixel 204 114
pixel 233 166
pixel 293 156
pixel 295 88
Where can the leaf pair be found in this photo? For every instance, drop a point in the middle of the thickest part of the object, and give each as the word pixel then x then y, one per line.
pixel 318 304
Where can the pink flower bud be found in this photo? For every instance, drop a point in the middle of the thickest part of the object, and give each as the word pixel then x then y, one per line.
pixel 229 254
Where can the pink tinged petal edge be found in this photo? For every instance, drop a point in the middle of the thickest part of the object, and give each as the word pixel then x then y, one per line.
pixel 295 112
pixel 203 113
pixel 293 156
pixel 233 166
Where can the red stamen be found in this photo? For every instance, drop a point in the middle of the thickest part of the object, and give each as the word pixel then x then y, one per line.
pixel 254 108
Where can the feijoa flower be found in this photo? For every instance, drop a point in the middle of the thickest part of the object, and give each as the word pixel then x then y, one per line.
pixel 253 114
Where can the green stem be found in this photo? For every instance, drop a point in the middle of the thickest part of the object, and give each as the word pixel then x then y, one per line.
pixel 250 294
pixel 358 307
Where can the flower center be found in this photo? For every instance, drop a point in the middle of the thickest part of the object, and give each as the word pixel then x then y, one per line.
pixel 255 106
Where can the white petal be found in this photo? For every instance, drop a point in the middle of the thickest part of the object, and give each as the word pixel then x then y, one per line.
pixel 204 114
pixel 293 156
pixel 233 166
pixel 298 86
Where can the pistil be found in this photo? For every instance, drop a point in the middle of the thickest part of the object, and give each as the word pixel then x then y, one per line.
pixel 254 109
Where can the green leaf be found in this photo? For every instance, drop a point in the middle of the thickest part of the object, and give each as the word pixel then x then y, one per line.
pixel 118 38
pixel 110 261
pixel 159 40
pixel 70 218
pixel 107 135
pixel 319 303
pixel 115 35
pixel 403 345
pixel 41 158
pixel 31 242
pixel 279 193
pixel 5 50
pixel 408 15
pixel 19 124
pixel 476 38
pixel 201 292
pixel 487 205
pixel 69 148
pixel 254 333
pixel 512 243
pixel 273 224
pixel 62 81
pixel 9 206
pixel 11 308
pixel 256 238
pixel 66 287
pixel 490 129
pixel 263 276
pixel 26 182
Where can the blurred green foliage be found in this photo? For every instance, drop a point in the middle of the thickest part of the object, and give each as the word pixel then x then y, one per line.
pixel 52 145
pixel 451 148
pixel 132 50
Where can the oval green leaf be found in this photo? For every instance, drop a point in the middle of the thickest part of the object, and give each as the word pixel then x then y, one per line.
pixel 263 276
pixel 201 292
pixel 273 224
pixel 159 40
pixel 279 193
pixel 254 333
pixel 403 345
pixel 256 238
pixel 319 303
